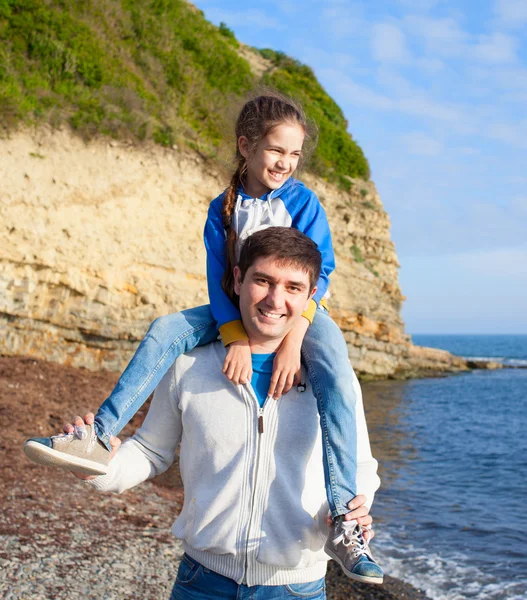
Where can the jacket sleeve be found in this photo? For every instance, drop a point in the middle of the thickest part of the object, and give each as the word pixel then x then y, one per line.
pixel 153 447
pixel 223 310
pixel 310 218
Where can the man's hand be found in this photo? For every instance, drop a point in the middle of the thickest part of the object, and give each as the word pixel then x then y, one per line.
pixel 88 420
pixel 360 513
pixel 238 366
pixel 286 364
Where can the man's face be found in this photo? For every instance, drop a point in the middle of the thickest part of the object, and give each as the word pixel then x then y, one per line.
pixel 272 298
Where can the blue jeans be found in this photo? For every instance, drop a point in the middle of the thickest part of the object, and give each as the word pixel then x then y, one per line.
pixel 324 353
pixel 195 582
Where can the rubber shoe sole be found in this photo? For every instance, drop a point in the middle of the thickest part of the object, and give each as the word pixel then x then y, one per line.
pixel 363 578
pixel 52 458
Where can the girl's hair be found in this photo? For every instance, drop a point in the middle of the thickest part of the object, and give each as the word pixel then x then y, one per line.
pixel 258 117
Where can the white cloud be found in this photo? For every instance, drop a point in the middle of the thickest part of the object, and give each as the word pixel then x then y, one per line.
pixel 431 66
pixel 355 93
pixel 444 37
pixel 388 43
pixel 494 48
pixel 519 205
pixel 469 150
pixel 498 263
pixel 420 5
pixel 514 134
pixel 345 20
pixel 422 144
pixel 422 106
pixel 411 100
pixel 511 12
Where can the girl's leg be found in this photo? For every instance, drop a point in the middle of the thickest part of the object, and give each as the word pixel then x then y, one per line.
pixel 335 385
pixel 167 338
pixel 325 355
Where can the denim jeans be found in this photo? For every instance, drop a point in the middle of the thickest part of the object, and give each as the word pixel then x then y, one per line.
pixel 167 338
pixel 324 353
pixel 195 582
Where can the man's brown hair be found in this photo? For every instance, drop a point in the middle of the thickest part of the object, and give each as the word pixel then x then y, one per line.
pixel 288 246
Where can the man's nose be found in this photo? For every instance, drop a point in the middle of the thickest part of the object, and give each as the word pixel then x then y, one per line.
pixel 275 297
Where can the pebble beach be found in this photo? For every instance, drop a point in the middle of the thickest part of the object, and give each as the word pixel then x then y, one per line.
pixel 61 539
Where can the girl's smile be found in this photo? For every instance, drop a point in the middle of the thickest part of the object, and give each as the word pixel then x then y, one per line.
pixel 274 160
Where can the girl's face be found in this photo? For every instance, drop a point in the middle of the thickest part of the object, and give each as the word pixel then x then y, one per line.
pixel 274 160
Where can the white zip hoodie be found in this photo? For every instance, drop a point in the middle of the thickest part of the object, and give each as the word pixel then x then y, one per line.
pixel 255 503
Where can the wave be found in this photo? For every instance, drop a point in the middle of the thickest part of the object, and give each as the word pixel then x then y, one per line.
pixel 445 578
pixel 506 361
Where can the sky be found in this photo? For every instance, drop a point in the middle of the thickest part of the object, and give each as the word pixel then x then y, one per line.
pixel 435 92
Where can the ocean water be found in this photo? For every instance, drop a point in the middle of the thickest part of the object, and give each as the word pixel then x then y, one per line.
pixel 451 515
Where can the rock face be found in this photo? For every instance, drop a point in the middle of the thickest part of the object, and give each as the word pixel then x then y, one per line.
pixel 99 239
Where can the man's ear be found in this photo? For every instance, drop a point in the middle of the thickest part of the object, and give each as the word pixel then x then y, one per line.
pixel 313 292
pixel 243 146
pixel 237 280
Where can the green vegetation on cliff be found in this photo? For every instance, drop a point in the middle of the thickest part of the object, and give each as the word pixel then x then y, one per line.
pixel 148 69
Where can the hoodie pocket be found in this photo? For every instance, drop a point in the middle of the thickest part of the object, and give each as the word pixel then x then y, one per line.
pixel 209 530
pixel 294 544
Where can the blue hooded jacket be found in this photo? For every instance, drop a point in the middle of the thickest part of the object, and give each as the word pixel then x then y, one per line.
pixel 291 205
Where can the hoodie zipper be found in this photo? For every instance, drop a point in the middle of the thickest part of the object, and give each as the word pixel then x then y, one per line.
pixel 255 479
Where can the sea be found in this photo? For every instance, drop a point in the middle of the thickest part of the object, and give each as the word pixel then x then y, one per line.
pixel 451 514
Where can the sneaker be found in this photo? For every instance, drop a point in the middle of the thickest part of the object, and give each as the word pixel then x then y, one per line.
pixel 79 451
pixel 347 546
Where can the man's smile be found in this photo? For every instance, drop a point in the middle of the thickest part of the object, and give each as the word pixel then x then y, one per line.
pixel 270 315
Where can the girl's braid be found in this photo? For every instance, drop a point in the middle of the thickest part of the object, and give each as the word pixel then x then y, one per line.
pixel 227 210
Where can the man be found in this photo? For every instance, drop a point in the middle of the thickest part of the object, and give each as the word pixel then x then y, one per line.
pixel 255 505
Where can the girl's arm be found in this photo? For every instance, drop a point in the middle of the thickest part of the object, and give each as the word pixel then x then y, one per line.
pixel 227 315
pixel 238 365
pixel 312 221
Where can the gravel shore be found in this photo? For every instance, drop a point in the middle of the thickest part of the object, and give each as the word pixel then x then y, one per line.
pixel 60 539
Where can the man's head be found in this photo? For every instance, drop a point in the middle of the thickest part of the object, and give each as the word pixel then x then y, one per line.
pixel 275 279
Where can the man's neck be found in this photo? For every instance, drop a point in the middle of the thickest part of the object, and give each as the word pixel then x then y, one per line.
pixel 264 346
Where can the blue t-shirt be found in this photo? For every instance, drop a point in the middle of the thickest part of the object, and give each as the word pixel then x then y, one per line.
pixel 262 371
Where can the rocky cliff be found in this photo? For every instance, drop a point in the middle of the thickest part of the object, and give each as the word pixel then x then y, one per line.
pixel 99 239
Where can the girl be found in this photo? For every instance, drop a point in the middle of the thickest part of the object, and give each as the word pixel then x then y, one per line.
pixel 271 132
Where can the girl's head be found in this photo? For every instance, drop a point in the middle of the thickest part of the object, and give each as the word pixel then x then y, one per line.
pixel 271 131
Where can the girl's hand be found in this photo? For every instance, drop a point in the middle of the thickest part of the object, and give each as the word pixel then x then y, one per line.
pixel 286 365
pixel 89 420
pixel 238 366
pixel 360 513
pixel 286 370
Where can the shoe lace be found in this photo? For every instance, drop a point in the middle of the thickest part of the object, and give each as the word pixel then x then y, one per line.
pixel 351 537
pixel 78 432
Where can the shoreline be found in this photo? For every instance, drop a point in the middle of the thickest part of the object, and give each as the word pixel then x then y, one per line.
pixel 55 530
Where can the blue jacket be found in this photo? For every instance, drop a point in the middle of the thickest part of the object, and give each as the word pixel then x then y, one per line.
pixel 292 205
